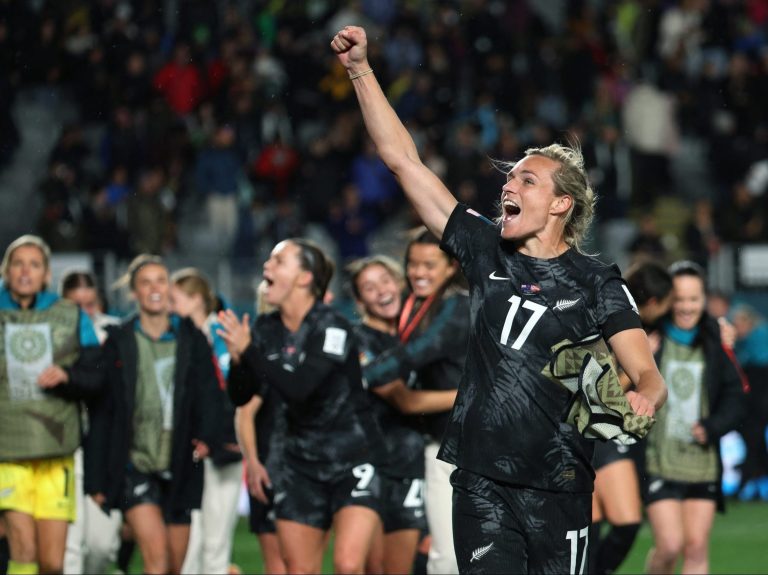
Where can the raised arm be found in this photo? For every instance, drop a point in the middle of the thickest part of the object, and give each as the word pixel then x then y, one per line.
pixel 429 196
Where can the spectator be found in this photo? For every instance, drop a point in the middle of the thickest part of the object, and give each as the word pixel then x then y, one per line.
pixel 179 81
pixel 377 186
pixel 652 134
pixel 350 224
pixel 743 218
pixel 218 175
pixel 149 220
pixel 102 231
pixel 276 166
pixel 647 243
pixel 752 352
pixel 700 235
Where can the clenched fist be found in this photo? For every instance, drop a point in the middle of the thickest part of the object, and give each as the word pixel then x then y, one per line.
pixel 351 46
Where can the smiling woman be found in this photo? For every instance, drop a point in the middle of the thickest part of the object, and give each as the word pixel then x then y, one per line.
pixel 523 502
pixel 51 362
pixel 424 344
pixel 151 431
pixel 706 401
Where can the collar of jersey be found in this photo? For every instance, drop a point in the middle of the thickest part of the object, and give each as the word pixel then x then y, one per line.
pixel 679 335
pixel 43 300
pixel 170 335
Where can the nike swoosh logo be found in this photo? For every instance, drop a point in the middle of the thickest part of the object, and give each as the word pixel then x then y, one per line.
pixel 140 489
pixel 493 276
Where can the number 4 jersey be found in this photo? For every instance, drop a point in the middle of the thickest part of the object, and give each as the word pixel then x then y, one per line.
pixel 508 420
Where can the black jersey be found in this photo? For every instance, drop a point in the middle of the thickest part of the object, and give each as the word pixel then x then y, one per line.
pixel 436 353
pixel 316 372
pixel 270 427
pixel 507 423
pixel 403 442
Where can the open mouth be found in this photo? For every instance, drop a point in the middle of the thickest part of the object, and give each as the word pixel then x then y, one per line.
pixel 385 301
pixel 511 209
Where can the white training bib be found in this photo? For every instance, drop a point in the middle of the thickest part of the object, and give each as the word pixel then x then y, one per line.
pixel 28 351
pixel 164 369
pixel 684 401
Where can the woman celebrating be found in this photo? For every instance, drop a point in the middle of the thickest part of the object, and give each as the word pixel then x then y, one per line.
pixel 706 401
pixel 212 529
pixel 377 283
pixel 260 429
pixel 522 503
pixel 151 431
pixel 434 330
pixel 51 361
pixel 305 351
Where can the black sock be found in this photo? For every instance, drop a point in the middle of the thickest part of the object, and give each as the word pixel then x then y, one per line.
pixel 5 555
pixel 594 545
pixel 124 555
pixel 615 547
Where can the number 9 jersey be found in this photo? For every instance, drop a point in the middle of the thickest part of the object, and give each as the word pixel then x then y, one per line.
pixel 521 308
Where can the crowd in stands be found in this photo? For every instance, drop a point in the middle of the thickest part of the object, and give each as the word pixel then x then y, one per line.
pixel 237 110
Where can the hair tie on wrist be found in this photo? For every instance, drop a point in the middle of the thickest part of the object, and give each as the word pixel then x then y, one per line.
pixel 359 74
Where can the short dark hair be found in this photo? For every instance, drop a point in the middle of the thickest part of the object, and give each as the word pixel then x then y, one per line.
pixel 648 280
pixel 75 279
pixel 687 268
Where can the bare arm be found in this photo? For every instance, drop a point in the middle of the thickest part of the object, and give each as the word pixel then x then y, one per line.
pixel 429 196
pixel 634 354
pixel 412 402
pixel 256 473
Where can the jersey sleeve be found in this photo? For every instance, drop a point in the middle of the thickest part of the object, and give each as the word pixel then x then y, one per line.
pixel 616 308
pixel 438 341
pixel 86 375
pixel 468 235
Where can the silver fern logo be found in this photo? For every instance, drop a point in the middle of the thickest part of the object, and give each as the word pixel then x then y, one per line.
pixel 564 304
pixel 481 552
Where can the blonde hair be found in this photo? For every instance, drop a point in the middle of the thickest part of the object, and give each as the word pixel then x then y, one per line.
pixel 25 240
pixel 570 179
pixel 262 307
pixel 192 282
pixel 355 268
pixel 140 261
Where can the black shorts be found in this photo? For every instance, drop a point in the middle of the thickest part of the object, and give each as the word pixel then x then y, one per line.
pixel 607 452
pixel 154 489
pixel 402 504
pixel 261 517
pixel 304 499
pixel 503 528
pixel 658 489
